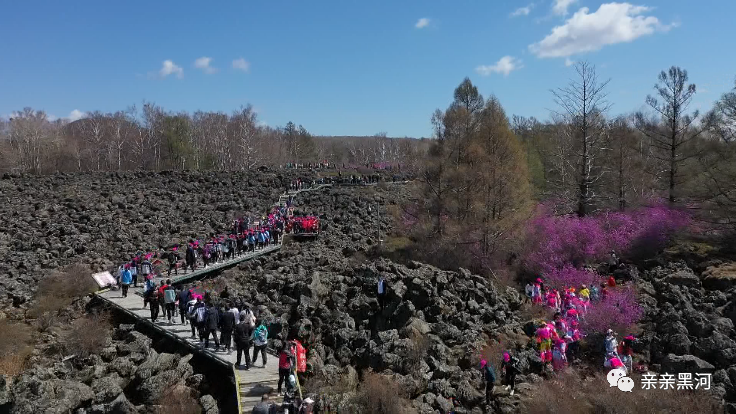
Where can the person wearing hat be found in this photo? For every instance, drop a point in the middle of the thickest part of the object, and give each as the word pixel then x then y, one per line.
pixel 537 292
pixel 489 376
pixel 509 369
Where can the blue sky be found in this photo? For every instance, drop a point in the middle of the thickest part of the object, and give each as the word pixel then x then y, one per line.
pixel 349 67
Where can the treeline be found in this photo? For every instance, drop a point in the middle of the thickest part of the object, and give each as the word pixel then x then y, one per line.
pixel 151 138
pixel 484 172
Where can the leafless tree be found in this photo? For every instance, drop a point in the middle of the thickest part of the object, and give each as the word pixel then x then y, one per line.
pixel 675 128
pixel 246 135
pixel 583 105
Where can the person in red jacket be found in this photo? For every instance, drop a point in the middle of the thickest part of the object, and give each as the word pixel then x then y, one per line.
pixel 611 281
pixel 286 363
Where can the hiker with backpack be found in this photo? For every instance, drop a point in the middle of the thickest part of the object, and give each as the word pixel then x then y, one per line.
pixel 509 368
pixel 196 316
pixel 227 324
pixel 243 333
pixel 489 376
pixel 211 322
pixel 146 268
pixel 250 318
pixel 260 340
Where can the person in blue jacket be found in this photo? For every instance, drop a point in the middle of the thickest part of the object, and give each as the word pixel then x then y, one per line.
pixel 126 278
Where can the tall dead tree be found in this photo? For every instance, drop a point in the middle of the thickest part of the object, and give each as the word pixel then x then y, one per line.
pixel 674 129
pixel 582 105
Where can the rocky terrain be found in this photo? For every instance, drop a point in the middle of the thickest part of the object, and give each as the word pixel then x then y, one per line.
pixel 102 219
pixel 428 339
pixel 689 322
pixel 127 376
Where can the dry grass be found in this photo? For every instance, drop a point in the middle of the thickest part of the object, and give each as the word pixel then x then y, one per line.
pixel 88 334
pixel 178 400
pixel 13 364
pixel 569 393
pixel 15 347
pixel 58 290
pixel 379 394
pixel 418 350
pixel 343 383
pixel 529 312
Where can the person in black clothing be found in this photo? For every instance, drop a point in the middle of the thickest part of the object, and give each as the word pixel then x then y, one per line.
pixel 227 324
pixel 212 321
pixel 173 258
pixel 225 294
pixel 243 332
pixel 153 300
pixel 509 366
pixel 184 297
pixel 190 259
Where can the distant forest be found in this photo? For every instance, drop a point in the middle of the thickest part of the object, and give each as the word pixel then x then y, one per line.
pixel 581 159
pixel 150 138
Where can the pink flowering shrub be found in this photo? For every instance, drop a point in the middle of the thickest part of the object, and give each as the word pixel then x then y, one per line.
pixel 618 311
pixel 559 246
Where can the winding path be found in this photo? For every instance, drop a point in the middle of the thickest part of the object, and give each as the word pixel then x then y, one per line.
pixel 250 384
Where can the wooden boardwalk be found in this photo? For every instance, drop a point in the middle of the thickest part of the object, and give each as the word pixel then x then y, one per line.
pixel 251 384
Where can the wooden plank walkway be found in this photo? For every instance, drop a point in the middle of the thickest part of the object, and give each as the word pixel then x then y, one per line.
pixel 251 384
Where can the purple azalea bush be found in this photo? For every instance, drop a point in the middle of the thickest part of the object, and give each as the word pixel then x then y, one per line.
pixel 619 311
pixel 559 247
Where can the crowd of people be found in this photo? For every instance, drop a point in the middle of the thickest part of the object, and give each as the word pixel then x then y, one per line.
pixel 559 339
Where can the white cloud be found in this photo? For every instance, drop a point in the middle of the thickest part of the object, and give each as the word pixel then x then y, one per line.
pixel 75 115
pixel 169 68
pixel 523 11
pixel 584 32
pixel 204 64
pixel 51 117
pixel 241 64
pixel 559 7
pixel 569 62
pixel 422 23
pixel 505 65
